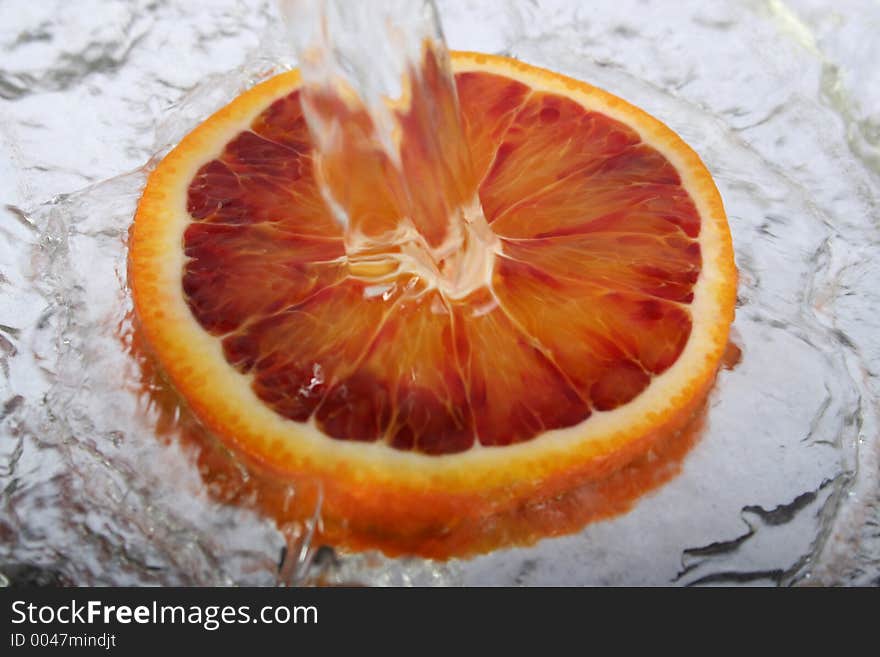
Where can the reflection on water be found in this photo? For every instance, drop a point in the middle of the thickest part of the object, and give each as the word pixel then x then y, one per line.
pixel 779 488
pixel 295 507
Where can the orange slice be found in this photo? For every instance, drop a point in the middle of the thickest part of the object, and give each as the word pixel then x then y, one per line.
pixel 421 416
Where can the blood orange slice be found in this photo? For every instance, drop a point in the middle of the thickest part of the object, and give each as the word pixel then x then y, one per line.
pixel 419 414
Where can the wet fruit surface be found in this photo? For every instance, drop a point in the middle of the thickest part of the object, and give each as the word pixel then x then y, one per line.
pixel 589 297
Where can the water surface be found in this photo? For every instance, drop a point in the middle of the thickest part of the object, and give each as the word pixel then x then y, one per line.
pixel 779 99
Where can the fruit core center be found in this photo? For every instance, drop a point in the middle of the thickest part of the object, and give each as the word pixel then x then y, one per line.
pixel 458 266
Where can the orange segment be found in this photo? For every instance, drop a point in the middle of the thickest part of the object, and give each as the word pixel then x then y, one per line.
pixel 283 123
pixel 411 366
pixel 597 335
pixel 664 266
pixel 258 180
pixel 373 199
pixel 489 103
pixel 310 352
pixel 636 191
pixel 607 343
pixel 550 138
pixel 433 151
pixel 237 273
pixel 515 392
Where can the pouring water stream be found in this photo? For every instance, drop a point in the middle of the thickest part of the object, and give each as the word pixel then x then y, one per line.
pixel 379 96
